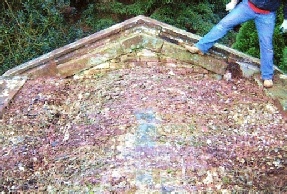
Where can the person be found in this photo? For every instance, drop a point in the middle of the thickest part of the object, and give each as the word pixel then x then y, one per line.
pixel 263 12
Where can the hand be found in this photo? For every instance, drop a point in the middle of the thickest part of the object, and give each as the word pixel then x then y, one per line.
pixel 283 27
pixel 230 6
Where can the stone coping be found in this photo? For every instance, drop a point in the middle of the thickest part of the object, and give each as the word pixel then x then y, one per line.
pixel 154 27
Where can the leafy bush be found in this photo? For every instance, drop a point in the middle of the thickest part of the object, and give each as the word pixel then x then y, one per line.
pixel 34 28
pixel 95 21
pixel 190 17
pixel 283 64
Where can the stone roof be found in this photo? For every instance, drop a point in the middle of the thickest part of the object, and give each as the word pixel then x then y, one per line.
pixel 115 47
pixel 128 109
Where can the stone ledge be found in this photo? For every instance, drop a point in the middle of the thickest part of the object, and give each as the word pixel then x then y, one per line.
pixel 9 86
pixel 136 25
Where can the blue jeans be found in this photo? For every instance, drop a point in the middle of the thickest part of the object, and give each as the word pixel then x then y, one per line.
pixel 265 24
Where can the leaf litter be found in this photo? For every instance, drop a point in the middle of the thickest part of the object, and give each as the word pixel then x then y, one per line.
pixel 143 130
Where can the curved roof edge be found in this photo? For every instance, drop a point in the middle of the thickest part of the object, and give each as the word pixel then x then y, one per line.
pixel 172 32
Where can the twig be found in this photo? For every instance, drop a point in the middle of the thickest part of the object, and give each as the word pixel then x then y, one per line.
pixel 20 26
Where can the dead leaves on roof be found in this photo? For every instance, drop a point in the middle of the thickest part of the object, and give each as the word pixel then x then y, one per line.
pixel 143 129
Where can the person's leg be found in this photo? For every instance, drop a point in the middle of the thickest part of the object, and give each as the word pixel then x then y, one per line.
pixel 265 25
pixel 241 13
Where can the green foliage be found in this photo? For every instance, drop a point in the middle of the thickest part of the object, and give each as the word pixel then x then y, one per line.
pixel 280 44
pixel 94 21
pixel 139 7
pixel 197 18
pixel 283 64
pixel 37 28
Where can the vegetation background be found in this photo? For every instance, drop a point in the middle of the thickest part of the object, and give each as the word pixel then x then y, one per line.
pixel 30 28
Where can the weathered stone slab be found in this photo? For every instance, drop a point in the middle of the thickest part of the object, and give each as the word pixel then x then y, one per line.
pixel 107 52
pixel 148 56
pixel 279 92
pixel 210 63
pixel 206 61
pixel 279 95
pixel 9 86
pixel 176 35
pixel 150 30
pixel 132 43
pixel 248 70
pixel 47 70
pixel 176 52
pixel 152 43
pixel 97 57
pixel 130 57
pixel 137 42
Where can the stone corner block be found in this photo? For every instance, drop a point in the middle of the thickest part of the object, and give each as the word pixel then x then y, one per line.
pixel 9 86
pixel 248 70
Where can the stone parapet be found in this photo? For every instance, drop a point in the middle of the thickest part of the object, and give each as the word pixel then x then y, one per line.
pixel 120 39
